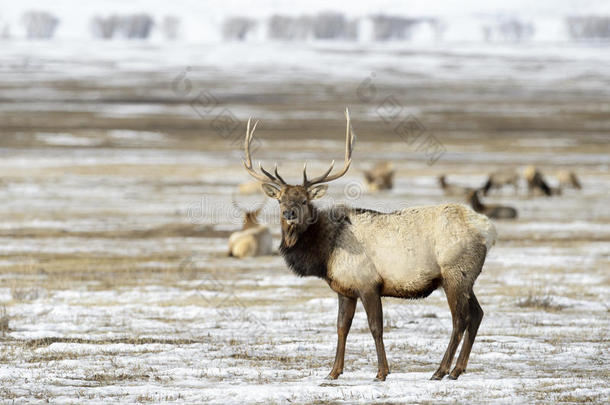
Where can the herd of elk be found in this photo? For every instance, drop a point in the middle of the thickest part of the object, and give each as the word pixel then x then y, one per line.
pixel 364 254
pixel 536 184
pixel 253 239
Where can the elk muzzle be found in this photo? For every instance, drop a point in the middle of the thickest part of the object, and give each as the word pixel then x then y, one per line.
pixel 290 216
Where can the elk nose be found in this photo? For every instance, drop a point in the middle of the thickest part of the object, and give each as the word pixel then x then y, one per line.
pixel 290 214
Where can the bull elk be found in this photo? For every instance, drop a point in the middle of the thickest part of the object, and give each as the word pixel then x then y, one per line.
pixel 253 239
pixel 364 254
pixel 380 177
pixel 491 210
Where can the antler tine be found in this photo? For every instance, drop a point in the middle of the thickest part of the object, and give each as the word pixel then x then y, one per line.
pixel 266 173
pixel 268 177
pixel 349 143
pixel 278 175
pixel 319 179
pixel 249 139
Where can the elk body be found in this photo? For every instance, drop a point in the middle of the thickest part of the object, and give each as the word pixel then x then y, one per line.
pixel 254 239
pixel 364 254
pixel 536 183
pixel 568 179
pixel 249 187
pixel 451 189
pixel 501 178
pixel 492 211
pixel 380 177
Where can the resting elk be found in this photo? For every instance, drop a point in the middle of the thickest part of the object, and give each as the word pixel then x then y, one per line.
pixel 253 239
pixel 492 210
pixel 380 177
pixel 364 254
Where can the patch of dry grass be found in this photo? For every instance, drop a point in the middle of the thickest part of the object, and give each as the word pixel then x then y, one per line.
pixel 4 321
pixel 540 302
pixel 162 231
pixel 132 340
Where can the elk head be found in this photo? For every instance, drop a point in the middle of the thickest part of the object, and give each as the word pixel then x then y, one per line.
pixel 380 177
pixel 296 210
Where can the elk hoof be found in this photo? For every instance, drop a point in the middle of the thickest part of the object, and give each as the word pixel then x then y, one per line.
pixel 438 375
pixel 333 376
pixel 381 376
pixel 455 374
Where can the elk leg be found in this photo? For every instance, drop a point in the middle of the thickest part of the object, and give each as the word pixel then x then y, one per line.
pixel 476 315
pixel 347 307
pixel 458 304
pixel 374 312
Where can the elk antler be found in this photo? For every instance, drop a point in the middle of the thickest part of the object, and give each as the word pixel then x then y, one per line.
pixel 268 177
pixel 349 144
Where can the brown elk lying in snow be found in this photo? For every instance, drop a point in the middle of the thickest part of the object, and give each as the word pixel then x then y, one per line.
pixel 253 239
pixel 380 177
pixel 492 211
pixel 367 254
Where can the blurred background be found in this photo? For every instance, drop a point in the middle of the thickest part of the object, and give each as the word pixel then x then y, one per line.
pixel 121 130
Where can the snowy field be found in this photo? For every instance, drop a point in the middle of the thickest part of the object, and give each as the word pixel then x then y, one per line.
pixel 114 289
pixel 116 183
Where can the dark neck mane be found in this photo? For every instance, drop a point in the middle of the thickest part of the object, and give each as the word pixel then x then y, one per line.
pixel 310 254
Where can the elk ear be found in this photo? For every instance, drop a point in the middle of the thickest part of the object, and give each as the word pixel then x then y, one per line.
pixel 271 190
pixel 317 191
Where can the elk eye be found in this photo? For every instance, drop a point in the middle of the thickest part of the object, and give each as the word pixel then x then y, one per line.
pixel 304 202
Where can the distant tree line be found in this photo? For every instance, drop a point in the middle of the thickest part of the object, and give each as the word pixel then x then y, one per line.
pixel 322 26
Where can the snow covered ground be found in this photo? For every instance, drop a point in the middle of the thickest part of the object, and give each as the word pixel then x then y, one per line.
pixel 97 311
